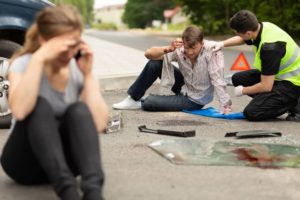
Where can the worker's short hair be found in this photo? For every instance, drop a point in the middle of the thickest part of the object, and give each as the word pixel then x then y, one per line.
pixel 243 21
pixel 191 35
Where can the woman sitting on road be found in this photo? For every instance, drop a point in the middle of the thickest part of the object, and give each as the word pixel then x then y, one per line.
pixel 54 134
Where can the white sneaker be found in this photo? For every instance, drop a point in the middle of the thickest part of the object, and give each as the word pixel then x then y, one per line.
pixel 127 104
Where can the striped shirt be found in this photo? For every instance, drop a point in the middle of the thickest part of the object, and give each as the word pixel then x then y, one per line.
pixel 202 79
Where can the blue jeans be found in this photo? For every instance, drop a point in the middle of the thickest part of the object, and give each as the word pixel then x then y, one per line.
pixel 176 102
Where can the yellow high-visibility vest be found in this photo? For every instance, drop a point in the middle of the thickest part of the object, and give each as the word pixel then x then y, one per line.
pixel 290 64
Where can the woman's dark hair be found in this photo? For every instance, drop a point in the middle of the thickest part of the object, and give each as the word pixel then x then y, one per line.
pixel 243 21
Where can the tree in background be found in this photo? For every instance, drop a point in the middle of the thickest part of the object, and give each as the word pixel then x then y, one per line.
pixel 213 16
pixel 284 13
pixel 140 13
pixel 85 7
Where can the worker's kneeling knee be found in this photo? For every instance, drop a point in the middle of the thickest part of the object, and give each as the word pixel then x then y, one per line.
pixel 234 80
pixel 251 114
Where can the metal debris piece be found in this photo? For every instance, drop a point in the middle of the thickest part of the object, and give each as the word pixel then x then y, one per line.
pixel 253 134
pixel 114 123
pixel 168 132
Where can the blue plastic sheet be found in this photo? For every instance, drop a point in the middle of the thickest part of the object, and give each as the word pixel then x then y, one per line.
pixel 212 112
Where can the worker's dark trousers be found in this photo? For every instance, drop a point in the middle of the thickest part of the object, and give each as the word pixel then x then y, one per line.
pixel 268 105
pixel 43 149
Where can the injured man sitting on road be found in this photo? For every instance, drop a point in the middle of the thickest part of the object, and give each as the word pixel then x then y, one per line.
pixel 189 87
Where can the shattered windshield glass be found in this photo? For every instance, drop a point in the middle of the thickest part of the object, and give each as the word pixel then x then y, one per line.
pixel 210 152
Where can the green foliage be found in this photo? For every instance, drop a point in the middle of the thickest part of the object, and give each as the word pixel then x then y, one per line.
pixel 213 16
pixel 105 26
pixel 85 7
pixel 179 26
pixel 284 13
pixel 140 13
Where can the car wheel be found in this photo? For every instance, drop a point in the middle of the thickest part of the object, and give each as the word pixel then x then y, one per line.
pixel 7 48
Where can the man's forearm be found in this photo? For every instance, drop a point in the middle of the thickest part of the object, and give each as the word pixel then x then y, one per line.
pixel 156 53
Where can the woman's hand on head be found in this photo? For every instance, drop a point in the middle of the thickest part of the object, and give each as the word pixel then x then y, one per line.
pixel 53 48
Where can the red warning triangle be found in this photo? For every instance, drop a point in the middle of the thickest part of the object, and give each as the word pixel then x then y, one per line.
pixel 240 63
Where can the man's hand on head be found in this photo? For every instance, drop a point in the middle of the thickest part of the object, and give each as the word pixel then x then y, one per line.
pixel 177 43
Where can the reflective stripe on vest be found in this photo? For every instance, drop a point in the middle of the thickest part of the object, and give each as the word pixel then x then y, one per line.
pixel 289 68
pixel 291 60
pixel 289 74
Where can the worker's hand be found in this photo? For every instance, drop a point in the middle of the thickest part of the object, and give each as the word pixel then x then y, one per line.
pixel 238 91
pixel 177 43
pixel 225 109
pixel 217 46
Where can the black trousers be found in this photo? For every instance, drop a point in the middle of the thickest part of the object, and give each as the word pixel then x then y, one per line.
pixel 268 105
pixel 42 149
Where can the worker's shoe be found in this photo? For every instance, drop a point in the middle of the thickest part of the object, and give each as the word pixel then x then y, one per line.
pixel 127 104
pixel 294 113
pixel 295 117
